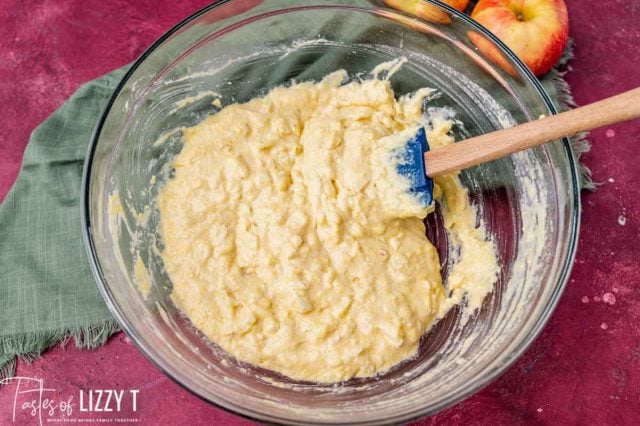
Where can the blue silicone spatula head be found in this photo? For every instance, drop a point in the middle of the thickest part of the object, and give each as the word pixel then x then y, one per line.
pixel 411 166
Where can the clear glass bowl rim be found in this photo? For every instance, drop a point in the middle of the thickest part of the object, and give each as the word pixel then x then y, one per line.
pixel 472 388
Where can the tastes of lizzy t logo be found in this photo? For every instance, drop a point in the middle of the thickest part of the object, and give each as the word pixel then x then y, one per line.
pixel 32 399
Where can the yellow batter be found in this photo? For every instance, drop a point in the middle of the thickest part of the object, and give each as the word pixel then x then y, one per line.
pixel 291 243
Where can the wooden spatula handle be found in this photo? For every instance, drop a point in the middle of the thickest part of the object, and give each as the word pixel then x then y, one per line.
pixel 492 146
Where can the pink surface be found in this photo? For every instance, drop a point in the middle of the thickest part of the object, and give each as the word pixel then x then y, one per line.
pixel 584 368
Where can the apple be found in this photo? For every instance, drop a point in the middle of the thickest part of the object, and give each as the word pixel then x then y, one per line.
pixel 537 31
pixel 426 11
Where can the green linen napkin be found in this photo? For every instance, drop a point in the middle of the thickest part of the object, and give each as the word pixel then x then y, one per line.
pixel 47 291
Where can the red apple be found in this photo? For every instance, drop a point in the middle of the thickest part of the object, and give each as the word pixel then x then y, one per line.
pixel 424 10
pixel 536 30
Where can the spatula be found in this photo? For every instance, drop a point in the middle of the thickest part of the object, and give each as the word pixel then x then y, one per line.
pixel 419 164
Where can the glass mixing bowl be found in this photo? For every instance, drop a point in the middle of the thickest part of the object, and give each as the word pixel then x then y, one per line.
pixel 236 50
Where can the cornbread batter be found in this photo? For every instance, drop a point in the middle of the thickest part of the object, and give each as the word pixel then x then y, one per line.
pixel 292 243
